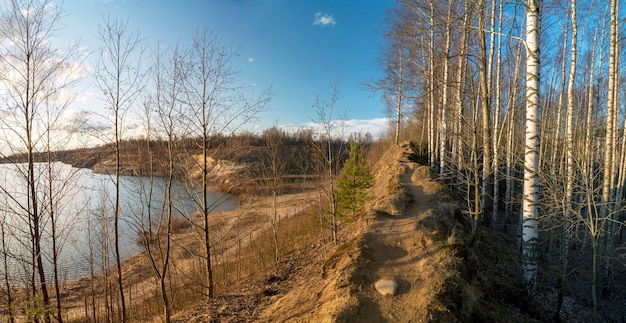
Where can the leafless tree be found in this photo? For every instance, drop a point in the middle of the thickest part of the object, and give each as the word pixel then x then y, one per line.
pixel 274 169
pixel 330 125
pixel 119 78
pixel 216 103
pixel 33 73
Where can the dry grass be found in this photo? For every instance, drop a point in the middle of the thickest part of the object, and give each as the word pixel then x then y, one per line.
pixel 242 248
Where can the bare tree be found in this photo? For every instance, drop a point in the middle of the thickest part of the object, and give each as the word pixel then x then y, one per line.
pixel 329 124
pixel 120 78
pixel 32 74
pixel 216 103
pixel 155 231
pixel 274 169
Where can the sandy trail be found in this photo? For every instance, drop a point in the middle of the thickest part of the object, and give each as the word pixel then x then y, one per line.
pixel 399 251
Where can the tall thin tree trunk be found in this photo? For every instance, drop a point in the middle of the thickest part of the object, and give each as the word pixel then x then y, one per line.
pixel 53 225
pixel 167 308
pixel 116 214
pixel 443 122
pixel 510 150
pixel 457 150
pixel 496 122
pixel 36 222
pixel 7 280
pixel 400 93
pixel 485 106
pixel 569 137
pixel 530 202
pixel 608 177
pixel 553 162
pixel 432 141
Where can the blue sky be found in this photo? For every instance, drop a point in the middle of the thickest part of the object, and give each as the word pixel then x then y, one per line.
pixel 300 47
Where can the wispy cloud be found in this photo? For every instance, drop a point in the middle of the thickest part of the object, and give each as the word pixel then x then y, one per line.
pixel 324 19
pixel 344 128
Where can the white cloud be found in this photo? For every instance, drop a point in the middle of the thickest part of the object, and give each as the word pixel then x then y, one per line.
pixel 344 128
pixel 251 59
pixel 324 19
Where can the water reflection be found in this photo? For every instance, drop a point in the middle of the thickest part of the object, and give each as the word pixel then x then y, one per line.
pixel 83 206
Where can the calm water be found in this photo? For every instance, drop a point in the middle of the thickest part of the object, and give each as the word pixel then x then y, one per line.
pixel 83 205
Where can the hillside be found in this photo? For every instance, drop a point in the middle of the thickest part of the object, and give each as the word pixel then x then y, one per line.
pixel 413 236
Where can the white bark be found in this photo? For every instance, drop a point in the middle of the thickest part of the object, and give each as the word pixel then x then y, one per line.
pixel 610 151
pixel 554 160
pixel 443 130
pixel 569 147
pixel 496 125
pixel 485 106
pixel 432 151
pixel 531 160
pixel 569 129
pixel 457 149
pixel 399 98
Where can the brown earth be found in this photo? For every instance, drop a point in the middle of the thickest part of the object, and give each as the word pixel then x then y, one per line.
pixel 413 234
pixel 400 247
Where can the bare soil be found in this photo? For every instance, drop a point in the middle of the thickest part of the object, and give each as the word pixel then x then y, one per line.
pixel 412 233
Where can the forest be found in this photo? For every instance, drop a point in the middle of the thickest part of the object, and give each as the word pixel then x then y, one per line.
pixel 514 105
pixel 517 104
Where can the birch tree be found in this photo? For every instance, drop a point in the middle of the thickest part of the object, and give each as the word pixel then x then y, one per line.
pixel 443 120
pixel 496 114
pixel 530 203
pixel 610 149
pixel 485 101
pixel 569 146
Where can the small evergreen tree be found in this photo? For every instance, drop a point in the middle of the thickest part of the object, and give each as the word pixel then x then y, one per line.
pixel 356 178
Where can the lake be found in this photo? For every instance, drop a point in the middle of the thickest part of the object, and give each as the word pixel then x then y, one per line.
pixel 83 204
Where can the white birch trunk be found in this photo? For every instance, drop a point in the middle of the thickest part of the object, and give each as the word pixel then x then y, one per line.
pixel 610 157
pixel 531 159
pixel 485 106
pixel 457 149
pixel 496 124
pixel 569 147
pixel 569 133
pixel 593 224
pixel 553 162
pixel 432 150
pixel 399 99
pixel 610 115
pixel 443 130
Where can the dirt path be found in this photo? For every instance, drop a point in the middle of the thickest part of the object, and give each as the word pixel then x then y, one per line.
pixel 410 247
pixel 411 257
